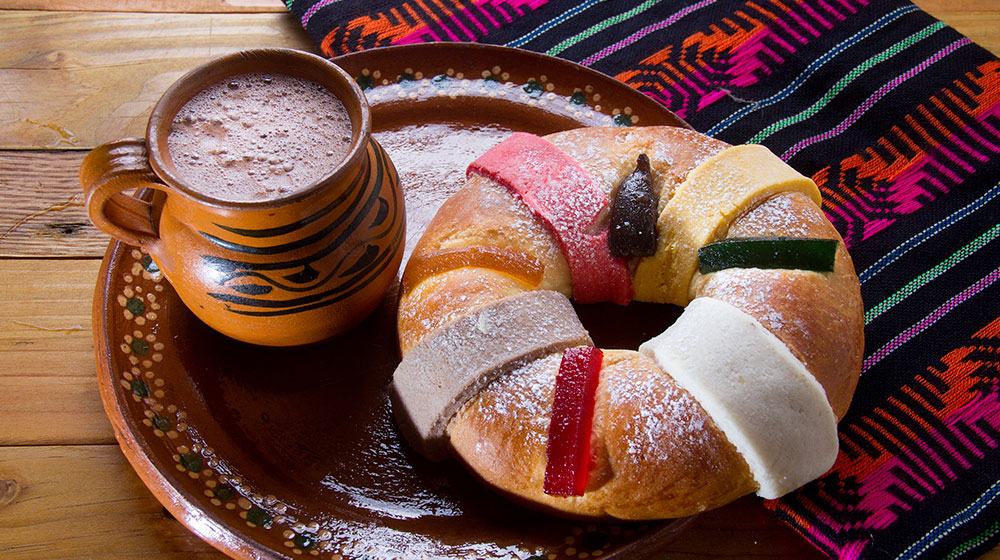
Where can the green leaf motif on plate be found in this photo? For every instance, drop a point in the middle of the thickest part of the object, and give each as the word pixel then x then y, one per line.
pixel 162 423
pixel 259 517
pixel 135 306
pixel 305 541
pixel 139 388
pixel 139 346
pixel 191 461
pixel 149 265
pixel 533 89
pixel 224 492
pixel 621 119
pixel 365 82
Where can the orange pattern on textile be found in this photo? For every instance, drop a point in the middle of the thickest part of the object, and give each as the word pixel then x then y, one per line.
pixel 935 147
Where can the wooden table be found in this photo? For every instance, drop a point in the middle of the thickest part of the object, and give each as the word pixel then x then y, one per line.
pixel 75 73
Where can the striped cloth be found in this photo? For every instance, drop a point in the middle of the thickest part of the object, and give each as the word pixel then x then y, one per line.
pixel 895 116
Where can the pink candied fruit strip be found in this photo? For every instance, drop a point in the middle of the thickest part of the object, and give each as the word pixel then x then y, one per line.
pixel 557 190
pixel 568 449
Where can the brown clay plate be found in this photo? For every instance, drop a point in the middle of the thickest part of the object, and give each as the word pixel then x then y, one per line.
pixel 292 452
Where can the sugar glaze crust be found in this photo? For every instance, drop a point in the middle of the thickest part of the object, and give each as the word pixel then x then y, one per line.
pixel 656 452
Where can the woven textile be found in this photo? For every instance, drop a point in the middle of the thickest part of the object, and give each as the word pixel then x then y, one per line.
pixel 895 116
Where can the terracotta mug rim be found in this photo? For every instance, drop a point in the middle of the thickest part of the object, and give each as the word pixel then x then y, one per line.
pixel 194 81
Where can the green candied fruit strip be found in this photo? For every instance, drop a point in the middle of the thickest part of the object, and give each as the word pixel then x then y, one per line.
pixel 769 252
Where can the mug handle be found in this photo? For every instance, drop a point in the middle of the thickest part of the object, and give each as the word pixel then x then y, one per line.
pixel 108 170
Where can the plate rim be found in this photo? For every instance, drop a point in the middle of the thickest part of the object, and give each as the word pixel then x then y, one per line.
pixel 501 50
pixel 206 523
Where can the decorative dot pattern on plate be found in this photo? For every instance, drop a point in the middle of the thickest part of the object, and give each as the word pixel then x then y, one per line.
pixel 494 83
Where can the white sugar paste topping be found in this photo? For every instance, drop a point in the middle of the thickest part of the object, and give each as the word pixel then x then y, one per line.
pixel 755 390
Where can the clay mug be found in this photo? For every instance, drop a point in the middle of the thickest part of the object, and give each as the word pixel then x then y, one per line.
pixel 286 270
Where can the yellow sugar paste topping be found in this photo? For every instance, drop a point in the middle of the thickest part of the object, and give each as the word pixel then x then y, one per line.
pixel 714 194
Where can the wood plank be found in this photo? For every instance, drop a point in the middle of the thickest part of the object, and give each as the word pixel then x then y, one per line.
pixel 175 6
pixel 41 206
pixel 933 6
pixel 103 72
pixel 48 384
pixel 52 410
pixel 84 502
pixel 45 317
pixel 981 27
pixel 976 19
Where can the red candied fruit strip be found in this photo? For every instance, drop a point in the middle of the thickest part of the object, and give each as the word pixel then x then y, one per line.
pixel 560 192
pixel 568 450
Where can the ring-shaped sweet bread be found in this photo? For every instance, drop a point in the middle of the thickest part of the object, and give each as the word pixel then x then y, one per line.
pixel 740 395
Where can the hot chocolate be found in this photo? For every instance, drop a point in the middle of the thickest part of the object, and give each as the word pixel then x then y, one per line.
pixel 258 136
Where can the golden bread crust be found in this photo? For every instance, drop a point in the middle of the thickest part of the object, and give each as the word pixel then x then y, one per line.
pixel 656 454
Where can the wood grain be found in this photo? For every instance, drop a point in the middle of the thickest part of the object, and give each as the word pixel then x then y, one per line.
pixel 958 6
pixel 45 318
pixel 41 206
pixel 73 502
pixel 52 410
pixel 101 73
pixel 188 6
pixel 976 19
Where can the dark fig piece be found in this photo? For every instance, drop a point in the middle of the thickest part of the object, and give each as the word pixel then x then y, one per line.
pixel 633 214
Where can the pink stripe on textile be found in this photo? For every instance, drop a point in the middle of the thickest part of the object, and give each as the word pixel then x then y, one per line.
pixel 849 7
pixel 746 61
pixel 788 29
pixel 501 11
pixel 969 149
pixel 874 226
pixel 985 407
pixel 926 322
pixel 479 6
pixel 417 36
pixel 458 23
pixel 441 23
pixel 908 187
pixel 993 111
pixel 946 446
pixel 875 97
pixel 643 32
pixel 561 194
pixel 879 483
pixel 815 15
pixel 472 18
pixel 425 32
pixel 831 10
pixel 315 8
pixel 799 20
pixel 979 138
